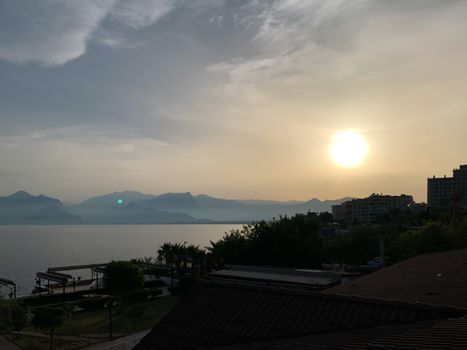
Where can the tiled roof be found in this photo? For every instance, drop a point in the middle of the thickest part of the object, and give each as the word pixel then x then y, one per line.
pixel 438 279
pixel 447 334
pixel 214 314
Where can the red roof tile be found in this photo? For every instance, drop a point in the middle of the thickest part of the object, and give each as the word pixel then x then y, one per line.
pixel 438 279
pixel 214 314
pixel 446 334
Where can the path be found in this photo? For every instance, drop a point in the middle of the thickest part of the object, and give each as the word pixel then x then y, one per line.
pixel 71 338
pixel 124 343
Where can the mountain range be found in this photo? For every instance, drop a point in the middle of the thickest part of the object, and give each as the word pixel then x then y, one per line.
pixel 24 208
pixel 132 207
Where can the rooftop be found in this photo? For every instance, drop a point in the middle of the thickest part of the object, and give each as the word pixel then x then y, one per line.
pixel 309 279
pixel 447 334
pixel 438 279
pixel 214 314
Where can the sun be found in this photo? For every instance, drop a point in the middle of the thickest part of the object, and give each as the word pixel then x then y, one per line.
pixel 349 149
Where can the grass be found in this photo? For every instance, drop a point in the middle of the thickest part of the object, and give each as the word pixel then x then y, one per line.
pixel 97 321
pixel 34 343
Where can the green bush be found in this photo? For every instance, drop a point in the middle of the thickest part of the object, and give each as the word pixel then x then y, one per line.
pixel 50 318
pixel 12 315
pixel 123 277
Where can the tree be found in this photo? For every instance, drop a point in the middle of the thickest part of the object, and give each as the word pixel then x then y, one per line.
pixel 18 316
pixel 123 277
pixel 178 255
pixel 356 247
pixel 430 238
pixel 50 318
pixel 12 315
pixel 165 253
pixel 5 315
pixel 295 241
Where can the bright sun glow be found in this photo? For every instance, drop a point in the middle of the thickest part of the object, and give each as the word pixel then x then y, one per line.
pixel 348 149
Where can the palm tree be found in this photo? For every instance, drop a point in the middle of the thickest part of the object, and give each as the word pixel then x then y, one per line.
pixel 165 253
pixel 177 254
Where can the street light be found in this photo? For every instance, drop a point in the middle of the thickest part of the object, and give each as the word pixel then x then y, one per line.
pixel 110 304
pixel 184 257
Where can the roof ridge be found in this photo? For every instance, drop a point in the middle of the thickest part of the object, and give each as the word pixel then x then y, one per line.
pixel 456 312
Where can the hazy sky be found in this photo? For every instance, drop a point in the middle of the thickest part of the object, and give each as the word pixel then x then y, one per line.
pixel 234 98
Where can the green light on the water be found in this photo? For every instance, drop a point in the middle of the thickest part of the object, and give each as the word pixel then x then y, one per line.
pixel 120 201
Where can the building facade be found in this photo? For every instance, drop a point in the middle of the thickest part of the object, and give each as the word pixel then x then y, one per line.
pixel 445 191
pixel 371 209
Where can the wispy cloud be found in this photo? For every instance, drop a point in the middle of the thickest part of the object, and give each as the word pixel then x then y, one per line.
pixel 142 13
pixel 53 32
pixel 326 48
pixel 116 40
pixel 227 92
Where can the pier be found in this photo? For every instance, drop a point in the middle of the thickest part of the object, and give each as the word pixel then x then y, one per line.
pixel 70 284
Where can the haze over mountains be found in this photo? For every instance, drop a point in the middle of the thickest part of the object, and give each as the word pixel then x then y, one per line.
pixel 23 208
pixel 131 207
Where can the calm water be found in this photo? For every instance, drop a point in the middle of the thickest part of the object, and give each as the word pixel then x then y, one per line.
pixel 25 250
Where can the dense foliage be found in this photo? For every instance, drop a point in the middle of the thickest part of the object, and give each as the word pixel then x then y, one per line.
pixel 50 318
pixel 123 277
pixel 307 240
pixel 184 258
pixel 12 315
pixel 289 241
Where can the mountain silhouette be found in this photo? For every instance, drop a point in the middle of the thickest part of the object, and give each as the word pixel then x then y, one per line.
pixel 24 208
pixel 133 207
pixel 196 206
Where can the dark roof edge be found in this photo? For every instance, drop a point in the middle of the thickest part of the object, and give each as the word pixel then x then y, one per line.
pixel 455 312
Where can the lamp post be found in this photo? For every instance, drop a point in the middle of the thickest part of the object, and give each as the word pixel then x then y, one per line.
pixel 110 304
pixel 184 257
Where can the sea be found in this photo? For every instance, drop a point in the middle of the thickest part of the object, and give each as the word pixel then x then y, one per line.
pixel 26 250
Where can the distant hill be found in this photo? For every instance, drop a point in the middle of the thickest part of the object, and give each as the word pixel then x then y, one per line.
pixel 22 208
pixel 254 210
pixel 110 200
pixel 132 207
pixel 204 207
pixel 171 201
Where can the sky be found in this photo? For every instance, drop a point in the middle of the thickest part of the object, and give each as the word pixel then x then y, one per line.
pixel 234 98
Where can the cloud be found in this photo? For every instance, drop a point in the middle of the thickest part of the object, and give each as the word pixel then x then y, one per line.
pixel 49 32
pixel 142 13
pixel 115 40
pixel 313 47
pixel 53 32
pixel 289 41
pixel 314 67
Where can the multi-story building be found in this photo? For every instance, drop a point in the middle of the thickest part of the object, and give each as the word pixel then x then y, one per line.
pixel 446 191
pixel 371 209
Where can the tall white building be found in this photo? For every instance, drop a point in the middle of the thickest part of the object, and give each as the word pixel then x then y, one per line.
pixel 446 191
